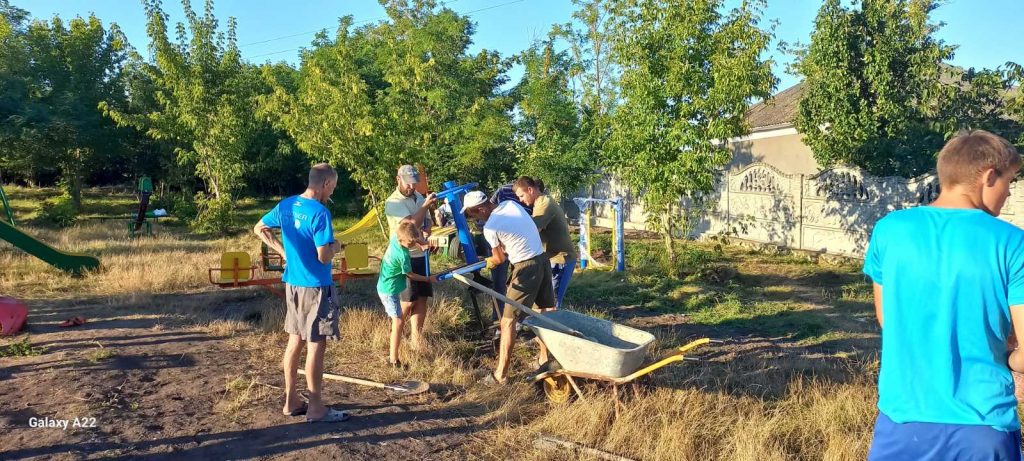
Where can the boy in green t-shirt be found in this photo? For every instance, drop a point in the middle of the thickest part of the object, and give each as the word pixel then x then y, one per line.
pixel 395 268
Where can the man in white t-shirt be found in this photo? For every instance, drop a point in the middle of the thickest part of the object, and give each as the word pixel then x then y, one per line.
pixel 513 237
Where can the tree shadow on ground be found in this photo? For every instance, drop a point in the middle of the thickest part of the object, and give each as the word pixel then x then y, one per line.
pixel 369 432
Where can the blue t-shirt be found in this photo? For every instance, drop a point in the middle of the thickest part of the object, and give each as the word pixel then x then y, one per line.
pixel 948 277
pixel 305 225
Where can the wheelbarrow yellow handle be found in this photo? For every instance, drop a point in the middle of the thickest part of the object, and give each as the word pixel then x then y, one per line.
pixel 694 344
pixel 675 357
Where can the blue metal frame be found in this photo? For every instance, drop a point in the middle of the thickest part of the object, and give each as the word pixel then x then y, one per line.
pixel 462 270
pixel 454 193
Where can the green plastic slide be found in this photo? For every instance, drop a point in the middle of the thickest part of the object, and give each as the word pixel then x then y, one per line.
pixel 70 262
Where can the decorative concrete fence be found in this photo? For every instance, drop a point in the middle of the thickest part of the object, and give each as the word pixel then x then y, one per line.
pixel 829 212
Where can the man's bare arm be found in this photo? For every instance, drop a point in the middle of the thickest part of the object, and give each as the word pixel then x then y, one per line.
pixel 1017 355
pixel 420 216
pixel 878 303
pixel 498 256
pixel 266 235
pixel 327 252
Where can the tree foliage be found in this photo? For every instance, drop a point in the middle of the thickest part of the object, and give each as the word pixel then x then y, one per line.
pixel 401 91
pixel 688 71
pixel 548 125
pixel 204 96
pixel 872 75
pixel 54 76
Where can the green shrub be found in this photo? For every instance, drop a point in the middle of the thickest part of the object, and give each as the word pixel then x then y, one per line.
pixel 178 204
pixel 216 216
pixel 59 211
pixel 183 206
pixel 22 348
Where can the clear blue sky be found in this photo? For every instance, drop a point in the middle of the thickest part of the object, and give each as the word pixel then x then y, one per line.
pixel 988 32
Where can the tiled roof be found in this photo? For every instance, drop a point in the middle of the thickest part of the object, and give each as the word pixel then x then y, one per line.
pixel 779 112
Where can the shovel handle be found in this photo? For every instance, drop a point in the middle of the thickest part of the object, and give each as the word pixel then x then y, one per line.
pixel 351 380
pixel 526 310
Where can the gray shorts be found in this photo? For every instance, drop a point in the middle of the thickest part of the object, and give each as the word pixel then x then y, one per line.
pixel 529 284
pixel 311 313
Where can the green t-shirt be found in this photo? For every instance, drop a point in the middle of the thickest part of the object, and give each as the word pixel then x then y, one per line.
pixel 393 267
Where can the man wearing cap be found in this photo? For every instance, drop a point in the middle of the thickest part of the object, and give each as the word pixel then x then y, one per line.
pixel 403 203
pixel 513 237
pixel 500 273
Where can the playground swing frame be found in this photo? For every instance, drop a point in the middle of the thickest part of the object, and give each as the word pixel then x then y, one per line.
pixel 618 232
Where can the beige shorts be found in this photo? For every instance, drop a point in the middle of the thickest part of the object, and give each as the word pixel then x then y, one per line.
pixel 311 313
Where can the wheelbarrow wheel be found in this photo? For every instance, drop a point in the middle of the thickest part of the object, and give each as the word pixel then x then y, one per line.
pixel 557 389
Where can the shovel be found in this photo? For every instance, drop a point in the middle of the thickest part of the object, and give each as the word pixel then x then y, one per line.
pixel 404 388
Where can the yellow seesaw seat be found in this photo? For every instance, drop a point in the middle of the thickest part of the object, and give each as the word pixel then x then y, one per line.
pixel 357 259
pixel 235 267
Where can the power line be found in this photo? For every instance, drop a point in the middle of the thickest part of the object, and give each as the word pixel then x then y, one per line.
pixel 300 34
pixel 468 13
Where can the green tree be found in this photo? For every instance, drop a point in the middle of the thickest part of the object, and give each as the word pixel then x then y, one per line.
pixel 401 91
pixel 978 99
pixel 548 124
pixel 592 75
pixel 1014 100
pixel 872 75
pixel 592 69
pixel 69 69
pixel 16 148
pixel 688 72
pixel 205 96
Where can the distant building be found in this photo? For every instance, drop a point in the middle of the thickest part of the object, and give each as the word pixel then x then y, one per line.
pixel 773 138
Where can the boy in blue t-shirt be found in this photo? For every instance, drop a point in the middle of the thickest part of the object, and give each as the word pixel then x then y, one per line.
pixel 311 311
pixel 949 293
pixel 395 268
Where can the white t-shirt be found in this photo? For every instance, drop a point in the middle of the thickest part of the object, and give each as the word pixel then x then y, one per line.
pixel 399 207
pixel 512 227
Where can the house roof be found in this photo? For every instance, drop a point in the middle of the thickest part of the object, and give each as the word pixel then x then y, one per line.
pixel 778 112
pixel 781 110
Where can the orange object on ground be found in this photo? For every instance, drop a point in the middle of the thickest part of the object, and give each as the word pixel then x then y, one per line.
pixel 12 316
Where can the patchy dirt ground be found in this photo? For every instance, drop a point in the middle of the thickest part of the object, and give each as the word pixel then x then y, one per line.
pixel 152 384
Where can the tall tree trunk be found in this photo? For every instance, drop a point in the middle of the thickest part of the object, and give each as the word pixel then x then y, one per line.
pixel 76 190
pixel 73 178
pixel 212 182
pixel 672 269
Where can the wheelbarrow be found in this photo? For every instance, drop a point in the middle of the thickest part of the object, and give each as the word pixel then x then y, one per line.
pixel 614 358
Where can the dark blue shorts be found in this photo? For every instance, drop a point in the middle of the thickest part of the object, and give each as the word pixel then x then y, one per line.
pixel 933 441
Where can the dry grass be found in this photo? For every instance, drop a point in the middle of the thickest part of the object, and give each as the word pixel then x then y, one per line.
pixel 131 268
pixel 239 392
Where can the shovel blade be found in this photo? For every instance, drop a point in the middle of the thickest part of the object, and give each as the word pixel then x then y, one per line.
pixel 410 387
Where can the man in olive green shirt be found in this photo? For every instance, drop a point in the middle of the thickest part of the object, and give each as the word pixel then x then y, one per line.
pixel 554 232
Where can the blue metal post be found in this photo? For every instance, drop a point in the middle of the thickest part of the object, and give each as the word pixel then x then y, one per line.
pixel 620 254
pixel 584 256
pixel 454 193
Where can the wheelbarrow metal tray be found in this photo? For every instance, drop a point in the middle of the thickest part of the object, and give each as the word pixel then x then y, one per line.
pixel 620 350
